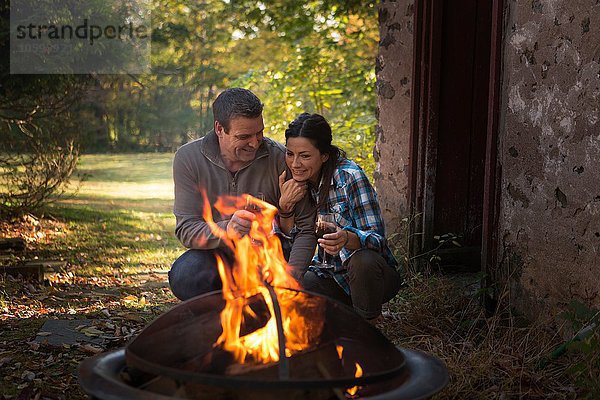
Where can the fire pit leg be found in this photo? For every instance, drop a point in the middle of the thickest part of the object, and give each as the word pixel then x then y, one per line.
pixel 284 364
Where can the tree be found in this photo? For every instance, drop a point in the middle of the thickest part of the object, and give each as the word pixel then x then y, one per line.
pixel 324 64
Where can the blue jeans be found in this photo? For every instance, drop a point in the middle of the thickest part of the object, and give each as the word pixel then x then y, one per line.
pixel 195 272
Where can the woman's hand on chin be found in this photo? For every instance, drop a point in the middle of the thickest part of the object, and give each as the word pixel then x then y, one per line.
pixel 291 192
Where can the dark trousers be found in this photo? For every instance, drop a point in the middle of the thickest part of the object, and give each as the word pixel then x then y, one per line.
pixel 195 272
pixel 372 282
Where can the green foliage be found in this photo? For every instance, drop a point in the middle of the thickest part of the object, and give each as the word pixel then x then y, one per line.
pixel 585 347
pixel 329 71
pixel 315 57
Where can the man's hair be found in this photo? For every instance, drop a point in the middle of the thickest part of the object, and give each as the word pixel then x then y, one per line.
pixel 236 102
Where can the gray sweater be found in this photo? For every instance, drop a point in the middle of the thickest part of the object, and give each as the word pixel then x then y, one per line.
pixel 198 164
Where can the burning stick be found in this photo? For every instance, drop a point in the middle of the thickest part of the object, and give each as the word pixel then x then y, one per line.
pixel 284 367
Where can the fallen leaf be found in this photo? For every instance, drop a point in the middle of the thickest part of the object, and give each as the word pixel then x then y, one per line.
pixel 28 376
pixel 5 360
pixel 130 298
pixel 88 348
pixel 91 331
pixel 33 345
pixel 133 317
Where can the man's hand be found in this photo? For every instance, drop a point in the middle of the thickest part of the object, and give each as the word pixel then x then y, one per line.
pixel 291 192
pixel 333 243
pixel 240 223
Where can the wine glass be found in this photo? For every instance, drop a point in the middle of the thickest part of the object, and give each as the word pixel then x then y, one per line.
pixel 254 208
pixel 325 224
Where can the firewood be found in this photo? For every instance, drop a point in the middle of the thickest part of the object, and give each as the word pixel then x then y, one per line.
pixel 17 244
pixel 302 365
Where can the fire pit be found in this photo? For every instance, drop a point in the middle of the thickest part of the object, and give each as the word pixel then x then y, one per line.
pixel 261 337
pixel 175 357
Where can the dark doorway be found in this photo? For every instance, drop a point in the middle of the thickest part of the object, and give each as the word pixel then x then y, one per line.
pixel 454 60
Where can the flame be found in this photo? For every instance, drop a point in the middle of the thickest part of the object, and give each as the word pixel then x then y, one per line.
pixel 340 350
pixel 359 372
pixel 259 262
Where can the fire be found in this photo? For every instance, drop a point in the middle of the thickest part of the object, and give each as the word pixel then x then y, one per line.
pixel 359 372
pixel 340 350
pixel 260 268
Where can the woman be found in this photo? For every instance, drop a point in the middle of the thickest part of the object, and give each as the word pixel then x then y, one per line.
pixel 364 271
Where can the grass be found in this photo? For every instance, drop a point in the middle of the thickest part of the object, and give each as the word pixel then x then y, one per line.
pixel 502 356
pixel 140 179
pixel 120 216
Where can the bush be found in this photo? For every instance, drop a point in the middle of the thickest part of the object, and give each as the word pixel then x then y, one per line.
pixel 35 164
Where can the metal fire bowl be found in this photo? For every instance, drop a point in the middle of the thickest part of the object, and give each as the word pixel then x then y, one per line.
pixel 100 377
pixel 179 344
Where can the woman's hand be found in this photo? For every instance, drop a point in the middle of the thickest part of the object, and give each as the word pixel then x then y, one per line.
pixel 333 243
pixel 291 193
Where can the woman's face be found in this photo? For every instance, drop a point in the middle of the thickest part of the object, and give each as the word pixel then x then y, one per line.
pixel 304 159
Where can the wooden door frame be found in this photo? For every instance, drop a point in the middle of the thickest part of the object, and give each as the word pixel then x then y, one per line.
pixel 424 122
pixel 493 171
pixel 424 130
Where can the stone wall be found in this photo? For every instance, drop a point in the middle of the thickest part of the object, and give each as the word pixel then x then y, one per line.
pixel 394 80
pixel 549 150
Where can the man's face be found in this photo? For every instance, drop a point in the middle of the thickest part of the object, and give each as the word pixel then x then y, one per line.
pixel 240 143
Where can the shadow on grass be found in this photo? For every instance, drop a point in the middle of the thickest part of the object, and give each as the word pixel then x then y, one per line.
pixel 81 202
pixel 111 239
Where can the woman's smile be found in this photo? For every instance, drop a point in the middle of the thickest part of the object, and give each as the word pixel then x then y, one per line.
pixel 304 159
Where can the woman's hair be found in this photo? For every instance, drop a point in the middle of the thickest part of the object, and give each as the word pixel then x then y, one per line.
pixel 315 128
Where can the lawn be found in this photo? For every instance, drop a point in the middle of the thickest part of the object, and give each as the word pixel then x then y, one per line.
pixel 115 237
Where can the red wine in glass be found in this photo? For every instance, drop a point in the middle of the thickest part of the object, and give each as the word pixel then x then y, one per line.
pixel 325 224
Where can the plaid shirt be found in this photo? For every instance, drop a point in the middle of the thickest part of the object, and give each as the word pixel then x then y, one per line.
pixel 354 202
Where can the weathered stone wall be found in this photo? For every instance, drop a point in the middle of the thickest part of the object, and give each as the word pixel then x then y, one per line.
pixel 394 80
pixel 549 151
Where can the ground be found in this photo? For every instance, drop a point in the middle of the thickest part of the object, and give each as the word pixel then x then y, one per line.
pixel 116 237
pixel 115 240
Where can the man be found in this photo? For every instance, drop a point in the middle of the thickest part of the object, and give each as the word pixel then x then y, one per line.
pixel 232 159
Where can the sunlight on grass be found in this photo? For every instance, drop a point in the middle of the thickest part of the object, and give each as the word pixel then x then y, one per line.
pixel 120 221
pixel 137 167
pixel 126 176
pixel 128 190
